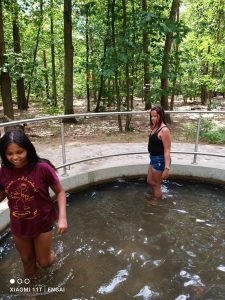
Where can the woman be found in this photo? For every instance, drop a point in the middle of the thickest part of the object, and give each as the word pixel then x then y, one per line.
pixel 159 149
pixel 25 179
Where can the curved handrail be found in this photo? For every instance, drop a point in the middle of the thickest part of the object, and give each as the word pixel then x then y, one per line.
pixel 132 153
pixel 104 114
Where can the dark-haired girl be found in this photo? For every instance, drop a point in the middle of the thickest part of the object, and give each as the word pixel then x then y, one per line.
pixel 25 179
pixel 159 149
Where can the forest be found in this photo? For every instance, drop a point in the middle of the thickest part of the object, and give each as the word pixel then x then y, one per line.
pixel 110 52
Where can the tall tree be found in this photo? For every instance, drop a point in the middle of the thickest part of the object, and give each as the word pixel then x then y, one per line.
pixel 21 98
pixel 54 90
pixel 46 74
pixel 116 65
pixel 5 80
pixel 68 62
pixel 127 65
pixel 174 89
pixel 103 61
pixel 35 50
pixel 166 56
pixel 146 79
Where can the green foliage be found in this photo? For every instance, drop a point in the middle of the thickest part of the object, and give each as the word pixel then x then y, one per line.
pixel 210 131
pixel 215 136
pixel 198 36
pixel 48 109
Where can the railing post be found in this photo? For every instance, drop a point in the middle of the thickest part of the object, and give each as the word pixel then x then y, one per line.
pixel 197 139
pixel 63 149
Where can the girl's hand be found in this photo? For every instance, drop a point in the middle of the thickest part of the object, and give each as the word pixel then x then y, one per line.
pixel 62 225
pixel 165 174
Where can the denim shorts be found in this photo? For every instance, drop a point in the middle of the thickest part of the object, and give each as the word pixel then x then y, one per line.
pixel 157 162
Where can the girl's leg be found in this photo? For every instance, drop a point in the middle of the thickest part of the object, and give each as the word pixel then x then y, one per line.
pixel 154 179
pixel 26 250
pixel 43 249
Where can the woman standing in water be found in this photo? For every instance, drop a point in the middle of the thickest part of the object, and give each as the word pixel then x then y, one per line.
pixel 159 149
pixel 25 179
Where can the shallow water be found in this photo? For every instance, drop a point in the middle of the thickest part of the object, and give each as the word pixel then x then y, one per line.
pixel 120 247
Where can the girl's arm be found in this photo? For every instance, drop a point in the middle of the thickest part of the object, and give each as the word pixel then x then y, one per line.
pixel 61 200
pixel 166 139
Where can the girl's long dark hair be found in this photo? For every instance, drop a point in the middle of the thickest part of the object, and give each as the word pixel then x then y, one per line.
pixel 21 139
pixel 160 111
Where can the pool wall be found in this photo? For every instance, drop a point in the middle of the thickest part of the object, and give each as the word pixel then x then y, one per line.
pixel 106 172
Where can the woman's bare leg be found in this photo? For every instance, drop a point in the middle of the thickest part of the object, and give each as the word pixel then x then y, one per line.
pixel 154 178
pixel 43 249
pixel 26 250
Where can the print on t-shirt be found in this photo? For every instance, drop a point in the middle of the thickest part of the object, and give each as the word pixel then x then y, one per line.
pixel 21 192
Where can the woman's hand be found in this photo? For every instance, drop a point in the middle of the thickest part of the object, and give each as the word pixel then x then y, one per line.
pixel 165 173
pixel 62 225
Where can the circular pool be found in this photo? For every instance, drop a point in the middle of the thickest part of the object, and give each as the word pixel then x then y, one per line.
pixel 122 246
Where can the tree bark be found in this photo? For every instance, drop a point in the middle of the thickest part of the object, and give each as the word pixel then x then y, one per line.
pixel 104 58
pixel 5 81
pixel 146 78
pixel 21 98
pixel 54 90
pixel 87 59
pixel 174 89
pixel 166 58
pixel 116 66
pixel 127 67
pixel 68 71
pixel 46 75
pixel 35 50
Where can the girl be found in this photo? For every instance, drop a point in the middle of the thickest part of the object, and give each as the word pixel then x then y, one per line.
pixel 159 149
pixel 25 179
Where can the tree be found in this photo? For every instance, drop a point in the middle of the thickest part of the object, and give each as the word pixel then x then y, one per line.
pixel 54 90
pixel 5 80
pixel 166 56
pixel 35 50
pixel 21 98
pixel 68 62
pixel 146 79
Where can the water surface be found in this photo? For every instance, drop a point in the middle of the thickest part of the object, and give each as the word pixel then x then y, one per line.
pixel 121 247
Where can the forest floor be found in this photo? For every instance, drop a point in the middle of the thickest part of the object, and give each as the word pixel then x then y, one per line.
pixel 98 130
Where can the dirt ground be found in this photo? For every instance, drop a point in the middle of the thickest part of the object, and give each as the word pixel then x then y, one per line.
pixel 96 130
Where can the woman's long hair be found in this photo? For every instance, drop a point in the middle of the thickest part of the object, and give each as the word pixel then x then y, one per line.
pixel 160 112
pixel 19 137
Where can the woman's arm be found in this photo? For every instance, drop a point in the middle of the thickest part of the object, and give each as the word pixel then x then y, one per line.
pixel 166 139
pixel 61 200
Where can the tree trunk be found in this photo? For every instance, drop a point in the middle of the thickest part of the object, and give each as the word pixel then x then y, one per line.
pixel 218 28
pixel 204 92
pixel 132 81
pixel 87 60
pixel 54 90
pixel 166 58
pixel 127 67
pixel 5 81
pixel 21 98
pixel 46 75
pixel 116 66
pixel 146 79
pixel 35 50
pixel 174 90
pixel 68 72
pixel 104 57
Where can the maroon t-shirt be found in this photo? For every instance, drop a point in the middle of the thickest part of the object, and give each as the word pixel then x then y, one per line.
pixel 32 210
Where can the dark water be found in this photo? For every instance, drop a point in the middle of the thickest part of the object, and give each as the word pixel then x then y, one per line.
pixel 121 247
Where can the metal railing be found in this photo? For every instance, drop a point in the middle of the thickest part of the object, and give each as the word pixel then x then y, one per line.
pixel 62 133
